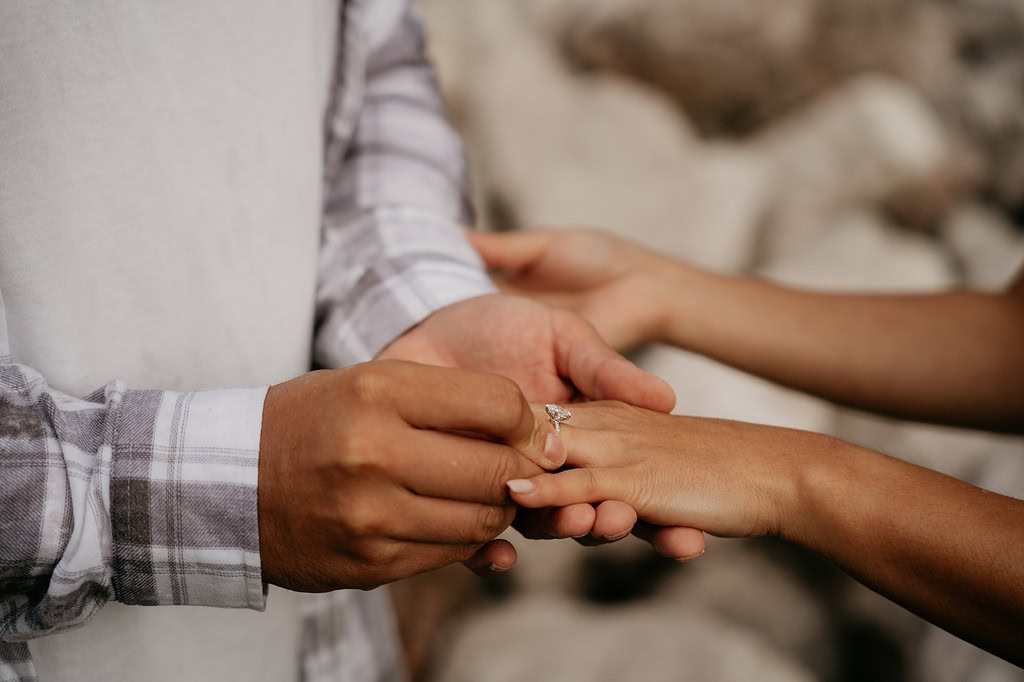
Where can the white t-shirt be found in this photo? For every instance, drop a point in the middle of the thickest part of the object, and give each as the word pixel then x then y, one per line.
pixel 164 160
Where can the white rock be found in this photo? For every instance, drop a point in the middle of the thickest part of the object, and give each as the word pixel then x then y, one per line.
pixel 737 581
pixel 544 639
pixel 868 141
pixel 729 64
pixel 546 566
pixel 705 388
pixel 557 148
pixel 987 248
pixel 858 251
pixel 962 453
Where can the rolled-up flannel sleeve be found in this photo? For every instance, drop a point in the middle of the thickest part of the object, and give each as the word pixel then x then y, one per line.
pixel 143 497
pixel 393 248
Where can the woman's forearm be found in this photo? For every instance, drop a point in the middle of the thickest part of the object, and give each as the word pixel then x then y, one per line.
pixel 948 551
pixel 955 358
pixel 951 552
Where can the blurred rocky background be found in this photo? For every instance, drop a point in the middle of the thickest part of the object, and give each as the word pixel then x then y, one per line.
pixel 836 144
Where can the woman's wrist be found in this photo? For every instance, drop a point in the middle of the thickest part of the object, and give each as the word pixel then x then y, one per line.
pixel 827 493
pixel 683 295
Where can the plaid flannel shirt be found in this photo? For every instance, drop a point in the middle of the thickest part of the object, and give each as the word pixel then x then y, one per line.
pixel 149 497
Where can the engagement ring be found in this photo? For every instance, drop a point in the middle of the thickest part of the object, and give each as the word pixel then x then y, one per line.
pixel 557 415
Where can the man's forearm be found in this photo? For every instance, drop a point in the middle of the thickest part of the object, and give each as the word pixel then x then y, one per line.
pixel 951 358
pixel 946 550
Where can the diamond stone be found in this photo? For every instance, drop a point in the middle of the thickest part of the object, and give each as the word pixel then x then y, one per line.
pixel 557 413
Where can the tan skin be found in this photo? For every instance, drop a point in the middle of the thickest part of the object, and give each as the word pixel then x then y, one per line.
pixel 394 473
pixel 349 493
pixel 554 356
pixel 947 550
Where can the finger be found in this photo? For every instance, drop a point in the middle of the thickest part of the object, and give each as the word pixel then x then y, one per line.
pixel 573 521
pixel 602 374
pixel 574 486
pixel 448 522
pixel 462 400
pixel 680 543
pixel 399 560
pixel 495 557
pixel 511 250
pixel 444 465
pixel 615 520
pixel 585 443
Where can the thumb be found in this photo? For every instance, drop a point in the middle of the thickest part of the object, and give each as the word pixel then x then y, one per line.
pixel 510 250
pixel 600 373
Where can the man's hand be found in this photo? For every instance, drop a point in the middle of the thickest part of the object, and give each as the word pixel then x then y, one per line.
pixel 552 354
pixel 555 357
pixel 387 469
pixel 617 286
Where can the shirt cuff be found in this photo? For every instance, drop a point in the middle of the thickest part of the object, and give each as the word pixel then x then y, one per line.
pixel 413 263
pixel 184 470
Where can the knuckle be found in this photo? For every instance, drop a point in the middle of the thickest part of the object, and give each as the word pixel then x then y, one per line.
pixel 368 462
pixel 380 555
pixel 490 523
pixel 504 469
pixel 466 552
pixel 369 384
pixel 508 402
pixel 361 520
pixel 588 482
pixel 363 455
pixel 640 491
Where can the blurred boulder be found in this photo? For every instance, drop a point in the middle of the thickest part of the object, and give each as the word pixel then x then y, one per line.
pixel 987 100
pixel 961 453
pixel 552 148
pixel 744 582
pixel 543 638
pixel 705 388
pixel 729 64
pixel 872 140
pixel 858 250
pixel 735 65
pixel 988 251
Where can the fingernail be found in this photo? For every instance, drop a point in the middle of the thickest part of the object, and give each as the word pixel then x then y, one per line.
pixel 495 568
pixel 520 485
pixel 698 555
pixel 554 451
pixel 614 538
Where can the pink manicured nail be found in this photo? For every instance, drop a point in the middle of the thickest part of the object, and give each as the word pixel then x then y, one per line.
pixel 698 555
pixel 520 485
pixel 554 451
pixel 616 538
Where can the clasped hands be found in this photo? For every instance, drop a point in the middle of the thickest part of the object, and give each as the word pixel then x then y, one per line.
pixel 386 469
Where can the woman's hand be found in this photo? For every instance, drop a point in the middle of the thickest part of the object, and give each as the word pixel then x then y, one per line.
pixel 619 287
pixel 946 550
pixel 727 478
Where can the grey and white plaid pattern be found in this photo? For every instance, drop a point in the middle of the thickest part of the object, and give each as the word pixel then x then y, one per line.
pixel 149 497
pixel 146 497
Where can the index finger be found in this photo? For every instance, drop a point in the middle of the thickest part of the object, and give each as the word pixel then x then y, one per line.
pixel 446 399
